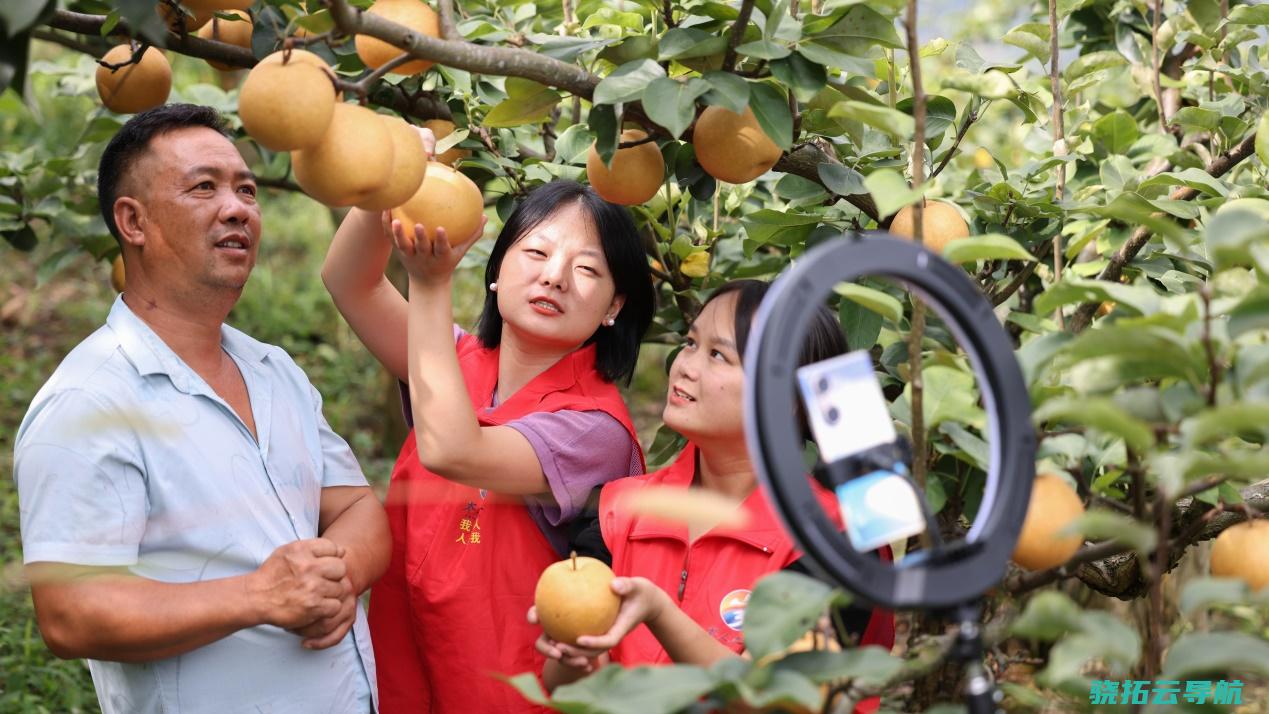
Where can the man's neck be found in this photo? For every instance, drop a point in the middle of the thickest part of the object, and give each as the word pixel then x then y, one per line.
pixel 519 363
pixel 725 468
pixel 192 332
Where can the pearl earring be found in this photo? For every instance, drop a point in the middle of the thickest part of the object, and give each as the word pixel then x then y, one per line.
pixel 610 322
pixel 493 287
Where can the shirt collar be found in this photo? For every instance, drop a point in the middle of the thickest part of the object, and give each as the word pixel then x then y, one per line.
pixel 151 355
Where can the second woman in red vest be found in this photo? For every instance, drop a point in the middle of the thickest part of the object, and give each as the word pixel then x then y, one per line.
pixel 684 588
pixel 512 428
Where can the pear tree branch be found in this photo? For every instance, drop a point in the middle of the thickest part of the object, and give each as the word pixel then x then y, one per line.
pixel 1217 167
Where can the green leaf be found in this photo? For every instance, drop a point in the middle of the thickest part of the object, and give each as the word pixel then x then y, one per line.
pixel 1117 131
pixel 833 55
pixel 1066 7
pixel 803 76
pixel 627 82
pixel 1235 229
pixel 764 49
pixel 672 103
pixel 1033 37
pixel 1097 413
pixel 1133 209
pixel 965 440
pixel 780 227
pixel 638 690
pixel 688 42
pixel 1140 300
pixel 860 325
pixel 1249 420
pixel 990 246
pixel 603 122
pixel 1203 593
pixel 1102 525
pixel 527 103
pixel 1223 653
pixel 573 143
pixel 1249 15
pixel 782 608
pixel 1197 179
pixel 726 90
pixel 950 395
pixel 1251 314
pixel 1092 62
pixel 528 686
pixel 940 113
pixel 863 27
pixel 882 118
pixel 992 84
pixel 890 191
pixel 1049 614
pixel 1102 636
pixel 842 180
pixel 16 17
pixel 1262 139
pixel 1196 119
pixel 883 304
pixel 771 108
pixel 868 666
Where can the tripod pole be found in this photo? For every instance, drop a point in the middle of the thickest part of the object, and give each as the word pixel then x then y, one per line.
pixel 981 695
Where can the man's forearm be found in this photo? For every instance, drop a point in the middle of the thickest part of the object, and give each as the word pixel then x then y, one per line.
pixel 126 618
pixel 683 639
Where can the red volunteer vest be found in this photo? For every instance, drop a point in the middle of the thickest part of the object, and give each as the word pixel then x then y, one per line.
pixel 449 614
pixel 710 579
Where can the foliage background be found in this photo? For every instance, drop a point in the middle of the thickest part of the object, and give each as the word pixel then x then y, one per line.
pixel 1156 410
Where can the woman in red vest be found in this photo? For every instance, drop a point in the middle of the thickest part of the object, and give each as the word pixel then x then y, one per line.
pixel 684 590
pixel 512 428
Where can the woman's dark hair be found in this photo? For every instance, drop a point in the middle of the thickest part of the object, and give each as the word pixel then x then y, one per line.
pixel 133 139
pixel 824 338
pixel 616 347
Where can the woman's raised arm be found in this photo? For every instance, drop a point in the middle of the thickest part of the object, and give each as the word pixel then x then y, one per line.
pixel 354 277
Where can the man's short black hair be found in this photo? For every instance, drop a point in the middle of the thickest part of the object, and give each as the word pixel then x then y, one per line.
pixel 616 347
pixel 131 142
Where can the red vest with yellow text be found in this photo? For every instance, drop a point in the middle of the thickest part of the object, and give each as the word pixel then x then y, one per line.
pixel 449 614
pixel 710 578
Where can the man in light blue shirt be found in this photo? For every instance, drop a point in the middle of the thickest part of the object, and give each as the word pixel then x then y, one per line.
pixel 190 523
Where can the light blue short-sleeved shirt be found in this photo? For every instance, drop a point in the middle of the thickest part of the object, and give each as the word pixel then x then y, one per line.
pixel 128 458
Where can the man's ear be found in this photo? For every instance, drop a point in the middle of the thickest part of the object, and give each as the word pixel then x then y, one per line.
pixel 130 219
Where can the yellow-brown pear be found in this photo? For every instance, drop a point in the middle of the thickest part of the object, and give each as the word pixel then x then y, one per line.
pixel 409 167
pixel 1242 551
pixel 1053 506
pixel 446 199
pixel 352 160
pixel 733 147
pixel 191 19
pixel 415 15
pixel 941 224
pixel 635 175
pixel 574 597
pixel 216 5
pixel 286 106
pixel 135 87
pixel 442 128
pixel 233 32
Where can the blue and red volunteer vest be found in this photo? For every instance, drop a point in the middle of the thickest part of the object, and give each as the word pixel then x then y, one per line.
pixel 710 578
pixel 448 616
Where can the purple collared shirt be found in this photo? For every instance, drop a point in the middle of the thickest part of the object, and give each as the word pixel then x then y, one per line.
pixel 578 450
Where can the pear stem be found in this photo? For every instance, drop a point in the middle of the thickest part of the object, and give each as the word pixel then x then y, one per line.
pixel 572 554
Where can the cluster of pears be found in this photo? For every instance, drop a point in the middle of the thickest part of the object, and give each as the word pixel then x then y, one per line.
pixel 730 147
pixel 146 83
